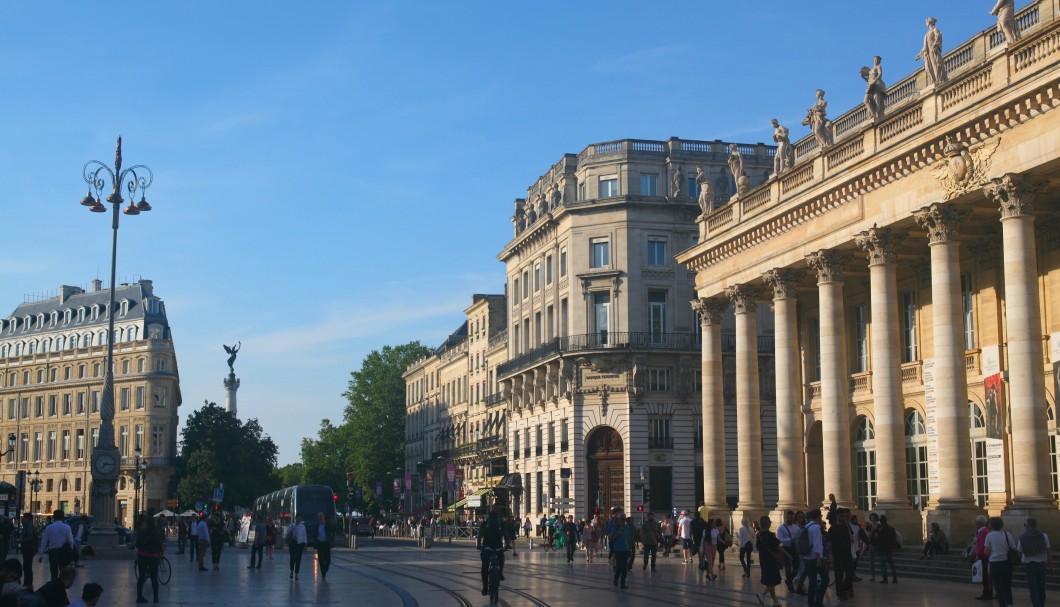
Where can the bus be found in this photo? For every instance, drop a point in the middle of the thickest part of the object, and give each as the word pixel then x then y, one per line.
pixel 280 507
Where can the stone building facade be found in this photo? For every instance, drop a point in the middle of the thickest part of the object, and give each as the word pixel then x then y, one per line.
pixel 913 267
pixel 52 360
pixel 602 383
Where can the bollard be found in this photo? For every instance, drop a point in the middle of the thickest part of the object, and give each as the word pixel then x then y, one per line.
pixel 353 542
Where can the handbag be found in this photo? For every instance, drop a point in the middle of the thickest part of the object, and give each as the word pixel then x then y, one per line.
pixel 702 564
pixel 977 572
pixel 1013 554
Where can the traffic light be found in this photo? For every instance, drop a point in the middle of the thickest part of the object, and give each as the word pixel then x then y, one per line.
pixel 335 497
pixel 640 508
pixel 596 511
pixel 645 495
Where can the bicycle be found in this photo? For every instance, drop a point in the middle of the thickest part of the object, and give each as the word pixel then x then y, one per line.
pixel 494 574
pixel 165 570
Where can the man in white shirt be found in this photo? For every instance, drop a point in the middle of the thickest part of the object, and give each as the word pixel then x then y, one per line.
pixel 786 533
pixel 684 533
pixel 58 541
pixel 814 562
pixel 1036 556
pixel 202 533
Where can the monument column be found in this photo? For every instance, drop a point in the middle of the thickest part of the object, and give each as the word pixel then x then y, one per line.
pixel 835 379
pixel 713 404
pixel 791 461
pixel 953 507
pixel 751 503
pixel 1031 490
pixel 887 401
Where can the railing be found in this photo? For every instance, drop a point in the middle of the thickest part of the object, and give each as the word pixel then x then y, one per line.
pixel 959 57
pixel 814 390
pixel 911 372
pixel 660 442
pixel 967 88
pixel 971 361
pixel 491 442
pixel 719 218
pixel 904 122
pixel 861 382
pixel 492 400
pixel 902 91
pixel 845 153
pixel 602 341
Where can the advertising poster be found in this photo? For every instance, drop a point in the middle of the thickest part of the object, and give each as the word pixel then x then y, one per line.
pixel 450 475
pixel 397 487
pixel 430 481
pixel 995 419
pixel 408 482
pixel 379 490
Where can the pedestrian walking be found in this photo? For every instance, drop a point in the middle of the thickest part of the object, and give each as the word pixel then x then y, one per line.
pixel 684 533
pixel 148 555
pixel 620 541
pixel 842 547
pixel 815 567
pixel 998 543
pixel 218 536
pixel 202 540
pixel 569 534
pixel 649 538
pixel 979 554
pixel 257 547
pixel 296 542
pixel 886 543
pixel 589 540
pixel 666 529
pixel 771 558
pixel 1036 556
pixel 323 540
pixel 745 538
pixel 270 538
pixel 29 542
pixel 58 542
pixel 182 535
pixel 786 533
pixel 724 543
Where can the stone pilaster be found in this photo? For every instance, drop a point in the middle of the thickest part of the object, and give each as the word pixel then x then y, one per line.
pixel 892 498
pixel 953 507
pixel 1031 490
pixel 714 489
pixel 835 379
pixel 751 503
pixel 791 460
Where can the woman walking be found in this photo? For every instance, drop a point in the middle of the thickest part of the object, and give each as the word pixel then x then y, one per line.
pixel 296 541
pixel 621 541
pixel 148 554
pixel 218 537
pixel 770 559
pixel 998 543
pixel 745 537
pixel 270 538
pixel 709 549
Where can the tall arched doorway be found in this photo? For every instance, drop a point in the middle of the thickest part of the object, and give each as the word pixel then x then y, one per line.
pixel 606 468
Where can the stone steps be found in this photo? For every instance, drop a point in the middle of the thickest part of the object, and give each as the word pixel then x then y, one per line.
pixel 949 567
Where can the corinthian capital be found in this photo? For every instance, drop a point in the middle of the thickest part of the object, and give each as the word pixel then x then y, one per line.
pixel 709 309
pixel 941 221
pixel 783 281
pixel 880 244
pixel 1013 194
pixel 828 263
pixel 744 297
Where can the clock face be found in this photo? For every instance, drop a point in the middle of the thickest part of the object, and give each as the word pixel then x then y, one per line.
pixel 105 464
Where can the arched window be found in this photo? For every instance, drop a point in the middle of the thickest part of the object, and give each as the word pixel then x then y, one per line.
pixel 916 458
pixel 33 347
pixel 132 334
pixel 60 343
pixel 865 464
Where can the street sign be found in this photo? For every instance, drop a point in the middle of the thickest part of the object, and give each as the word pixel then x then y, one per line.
pixel 474 501
pixel 172 503
pixel 218 495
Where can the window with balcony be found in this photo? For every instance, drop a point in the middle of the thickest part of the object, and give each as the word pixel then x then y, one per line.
pixel 657 316
pixel 659 436
pixel 916 458
pixel 601 316
pixel 66 445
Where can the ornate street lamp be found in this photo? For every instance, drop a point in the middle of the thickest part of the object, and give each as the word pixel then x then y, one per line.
pixel 105 456
pixel 34 485
pixel 10 444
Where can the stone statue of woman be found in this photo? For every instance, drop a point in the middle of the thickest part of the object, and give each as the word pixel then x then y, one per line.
pixel 931 53
pixel 676 183
pixel 876 91
pixel 1006 19
pixel 706 191
pixel 817 120
pixel 785 154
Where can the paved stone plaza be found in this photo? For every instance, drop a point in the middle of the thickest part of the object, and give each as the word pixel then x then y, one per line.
pixel 394 573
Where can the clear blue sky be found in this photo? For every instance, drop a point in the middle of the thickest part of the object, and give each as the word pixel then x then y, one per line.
pixel 331 177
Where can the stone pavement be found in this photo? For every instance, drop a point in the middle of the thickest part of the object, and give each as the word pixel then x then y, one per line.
pixel 394 573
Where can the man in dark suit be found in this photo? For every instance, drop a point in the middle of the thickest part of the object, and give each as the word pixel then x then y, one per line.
pixel 323 540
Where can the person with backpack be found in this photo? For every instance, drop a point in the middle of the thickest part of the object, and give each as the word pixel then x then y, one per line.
pixel 810 545
pixel 1036 557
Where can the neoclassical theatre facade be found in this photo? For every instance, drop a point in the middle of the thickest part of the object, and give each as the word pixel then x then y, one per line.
pixel 911 255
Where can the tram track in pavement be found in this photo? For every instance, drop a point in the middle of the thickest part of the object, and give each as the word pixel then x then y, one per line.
pixel 550 573
pixel 459 579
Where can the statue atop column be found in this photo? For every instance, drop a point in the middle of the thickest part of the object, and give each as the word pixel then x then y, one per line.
pixel 785 154
pixel 232 351
pixel 876 91
pixel 817 120
pixel 1006 20
pixel 931 53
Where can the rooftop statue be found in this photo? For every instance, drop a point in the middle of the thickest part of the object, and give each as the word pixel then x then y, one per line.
pixel 931 53
pixel 1006 19
pixel 676 184
pixel 785 154
pixel 876 91
pixel 817 120
pixel 706 191
pixel 232 351
pixel 743 183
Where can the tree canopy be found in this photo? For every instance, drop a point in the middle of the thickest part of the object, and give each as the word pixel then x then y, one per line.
pixel 218 448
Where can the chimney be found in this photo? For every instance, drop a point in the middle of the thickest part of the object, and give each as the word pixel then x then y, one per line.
pixel 147 286
pixel 66 292
pixel 97 285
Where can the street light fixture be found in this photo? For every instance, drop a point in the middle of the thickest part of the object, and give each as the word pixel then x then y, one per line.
pixel 34 485
pixel 10 444
pixel 105 456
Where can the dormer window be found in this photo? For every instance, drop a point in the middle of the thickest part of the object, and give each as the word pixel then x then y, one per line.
pixel 95 312
pixel 124 307
pixel 40 320
pixel 26 323
pixel 81 314
pixel 55 318
pixel 67 316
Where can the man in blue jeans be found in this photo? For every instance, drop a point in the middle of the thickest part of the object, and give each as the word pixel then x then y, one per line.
pixel 814 562
pixel 1036 558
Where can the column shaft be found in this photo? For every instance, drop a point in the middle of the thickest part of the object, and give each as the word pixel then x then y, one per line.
pixel 748 408
pixel 791 486
pixel 713 405
pixel 888 408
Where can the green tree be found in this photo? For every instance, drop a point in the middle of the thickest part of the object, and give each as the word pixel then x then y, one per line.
pixel 290 475
pixel 244 458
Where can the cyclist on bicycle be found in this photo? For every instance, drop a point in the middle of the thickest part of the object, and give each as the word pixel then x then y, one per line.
pixel 492 539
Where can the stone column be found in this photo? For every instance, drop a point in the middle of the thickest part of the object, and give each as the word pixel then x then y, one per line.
pixel 892 493
pixel 791 460
pixel 953 507
pixel 751 503
pixel 1031 491
pixel 713 407
pixel 835 379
